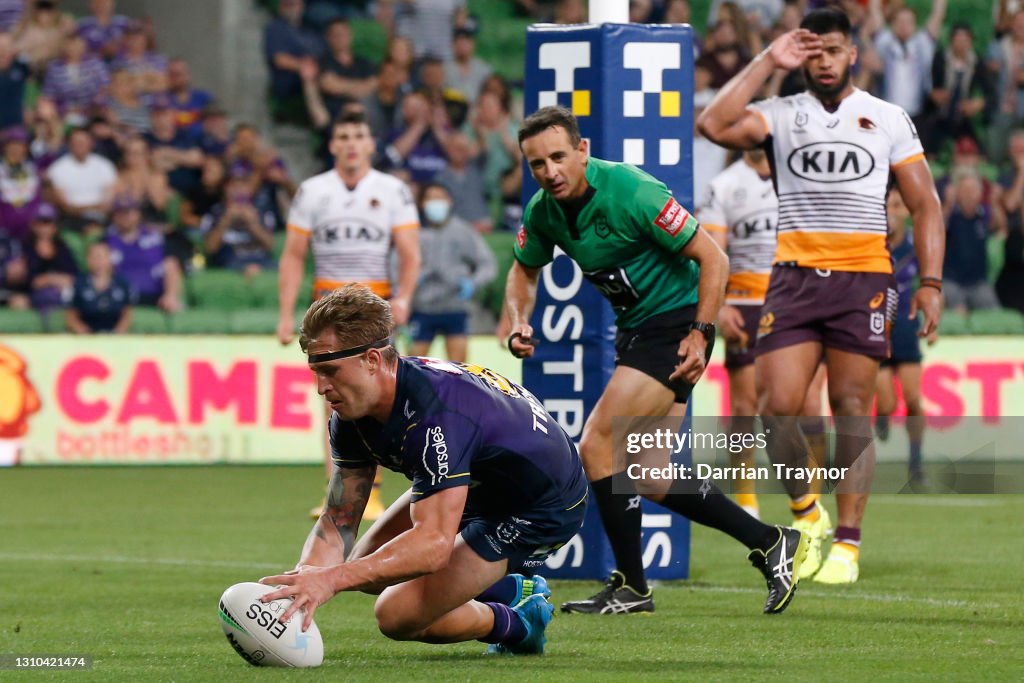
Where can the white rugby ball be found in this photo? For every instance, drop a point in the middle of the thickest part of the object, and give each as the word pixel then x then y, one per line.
pixel 255 631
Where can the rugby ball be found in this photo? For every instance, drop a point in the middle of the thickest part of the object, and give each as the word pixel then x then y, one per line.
pixel 255 631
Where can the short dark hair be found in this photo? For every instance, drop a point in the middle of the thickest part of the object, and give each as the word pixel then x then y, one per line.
pixel 347 116
pixel 827 20
pixel 550 117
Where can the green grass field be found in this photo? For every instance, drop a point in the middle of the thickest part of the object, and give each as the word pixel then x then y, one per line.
pixel 126 565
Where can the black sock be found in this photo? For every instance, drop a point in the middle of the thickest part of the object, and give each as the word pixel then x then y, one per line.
pixel 622 516
pixel 704 503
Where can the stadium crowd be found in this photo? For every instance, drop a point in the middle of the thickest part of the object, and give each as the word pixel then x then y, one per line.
pixel 103 138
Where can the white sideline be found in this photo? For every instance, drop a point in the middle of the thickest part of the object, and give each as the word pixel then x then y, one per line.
pixel 122 559
pixel 178 562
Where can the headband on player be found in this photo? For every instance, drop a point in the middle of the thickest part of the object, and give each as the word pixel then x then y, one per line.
pixel 348 353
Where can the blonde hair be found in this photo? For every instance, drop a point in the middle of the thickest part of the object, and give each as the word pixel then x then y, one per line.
pixel 356 315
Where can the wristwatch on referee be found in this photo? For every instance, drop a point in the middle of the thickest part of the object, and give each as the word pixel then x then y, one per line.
pixel 707 329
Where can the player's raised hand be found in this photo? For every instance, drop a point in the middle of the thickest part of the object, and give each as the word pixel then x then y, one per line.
pixel 927 300
pixel 691 358
pixel 792 49
pixel 309 588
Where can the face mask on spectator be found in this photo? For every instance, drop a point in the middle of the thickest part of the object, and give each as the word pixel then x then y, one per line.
pixel 436 210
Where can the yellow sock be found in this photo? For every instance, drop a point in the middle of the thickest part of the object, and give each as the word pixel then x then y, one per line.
pixel 850 548
pixel 747 500
pixel 806 507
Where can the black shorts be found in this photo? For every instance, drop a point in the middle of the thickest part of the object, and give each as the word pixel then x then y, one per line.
pixel 652 348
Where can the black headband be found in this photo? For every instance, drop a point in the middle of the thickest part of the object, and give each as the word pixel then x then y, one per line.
pixel 348 353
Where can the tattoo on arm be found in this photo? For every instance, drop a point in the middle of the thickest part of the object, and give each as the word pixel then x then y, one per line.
pixel 346 499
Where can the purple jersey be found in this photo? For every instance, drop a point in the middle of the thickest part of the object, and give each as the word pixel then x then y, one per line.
pixel 76 86
pixel 140 261
pixel 904 269
pixel 462 425
pixel 20 195
pixel 97 35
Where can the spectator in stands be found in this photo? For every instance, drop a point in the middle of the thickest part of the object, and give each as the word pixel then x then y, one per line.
pixel 400 53
pixel 464 180
pixel 47 133
pixel 238 233
pixel 640 11
pixel 265 168
pixel 12 273
pixel 432 87
pixel 207 194
pixel 41 31
pixel 216 135
pixel 384 105
pixel 418 146
pixel 50 267
pixel 968 160
pixel 125 108
pixel 430 24
pixel 960 90
pixel 456 263
pixel 106 140
pixel 186 101
pixel 466 72
pixel 148 68
pixel 746 26
pixel 496 135
pixel 140 179
pixel 570 12
pixel 103 30
pixel 723 55
pixel 286 43
pixel 13 74
pixel 760 15
pixel 140 259
pixel 969 223
pixel 83 183
pixel 344 76
pixel 20 185
pixel 676 12
pixel 77 79
pixel 102 300
pixel 10 13
pixel 1005 62
pixel 906 54
pixel 174 151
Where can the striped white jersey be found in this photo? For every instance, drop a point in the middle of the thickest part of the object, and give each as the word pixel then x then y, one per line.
pixel 742 204
pixel 832 172
pixel 351 230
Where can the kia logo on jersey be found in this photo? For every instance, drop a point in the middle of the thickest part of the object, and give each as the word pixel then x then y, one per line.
pixel 831 162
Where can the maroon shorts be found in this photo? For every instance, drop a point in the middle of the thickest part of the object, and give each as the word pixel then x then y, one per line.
pixel 741 354
pixel 847 311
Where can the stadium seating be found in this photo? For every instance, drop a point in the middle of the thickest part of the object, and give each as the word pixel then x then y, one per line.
pixel 147 320
pixel 254 321
pixel 1001 321
pixel 954 323
pixel 199 321
pixel 20 322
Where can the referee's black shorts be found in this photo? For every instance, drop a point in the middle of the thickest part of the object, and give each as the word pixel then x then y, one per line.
pixel 652 348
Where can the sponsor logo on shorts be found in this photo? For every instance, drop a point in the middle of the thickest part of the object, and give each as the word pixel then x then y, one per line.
pixel 764 327
pixel 672 217
pixel 521 237
pixel 531 563
pixel 877 300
